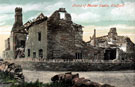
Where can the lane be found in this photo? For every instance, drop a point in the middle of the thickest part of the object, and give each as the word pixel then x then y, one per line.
pixel 116 78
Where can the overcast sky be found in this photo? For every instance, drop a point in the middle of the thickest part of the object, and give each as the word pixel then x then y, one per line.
pixel 100 18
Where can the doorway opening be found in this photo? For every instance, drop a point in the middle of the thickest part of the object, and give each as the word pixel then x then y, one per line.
pixel 110 54
pixel 22 43
pixel 41 53
pixel 34 54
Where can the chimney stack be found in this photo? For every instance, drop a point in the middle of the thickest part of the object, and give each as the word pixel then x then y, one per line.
pixel 18 19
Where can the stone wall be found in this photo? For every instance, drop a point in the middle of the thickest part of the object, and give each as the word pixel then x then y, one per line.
pixel 62 36
pixel 36 41
pixel 75 66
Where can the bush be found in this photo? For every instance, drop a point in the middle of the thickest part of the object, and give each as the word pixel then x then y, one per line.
pixel 6 78
pixel 39 84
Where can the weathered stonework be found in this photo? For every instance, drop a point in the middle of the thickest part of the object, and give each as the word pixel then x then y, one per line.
pixel 16 42
pixel 58 37
pixel 33 44
pixel 115 47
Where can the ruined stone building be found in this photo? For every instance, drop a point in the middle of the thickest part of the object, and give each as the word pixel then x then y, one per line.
pixel 114 46
pixel 17 37
pixel 57 37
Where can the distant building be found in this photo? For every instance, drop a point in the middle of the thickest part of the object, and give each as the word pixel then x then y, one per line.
pixel 115 46
pixel 57 37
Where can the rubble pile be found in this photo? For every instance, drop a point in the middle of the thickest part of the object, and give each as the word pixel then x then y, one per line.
pixel 75 81
pixel 13 70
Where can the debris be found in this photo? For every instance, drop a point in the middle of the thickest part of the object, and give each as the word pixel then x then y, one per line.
pixel 13 70
pixel 75 81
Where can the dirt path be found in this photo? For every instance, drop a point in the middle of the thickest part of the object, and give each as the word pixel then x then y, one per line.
pixel 116 78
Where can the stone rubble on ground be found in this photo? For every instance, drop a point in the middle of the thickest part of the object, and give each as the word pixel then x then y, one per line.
pixel 12 69
pixel 75 81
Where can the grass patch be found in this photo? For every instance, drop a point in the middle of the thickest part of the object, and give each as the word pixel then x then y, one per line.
pixel 6 78
pixel 39 84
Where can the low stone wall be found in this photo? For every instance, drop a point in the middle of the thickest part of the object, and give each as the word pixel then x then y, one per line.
pixel 74 66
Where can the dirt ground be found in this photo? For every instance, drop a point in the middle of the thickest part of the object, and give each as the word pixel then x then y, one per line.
pixel 116 78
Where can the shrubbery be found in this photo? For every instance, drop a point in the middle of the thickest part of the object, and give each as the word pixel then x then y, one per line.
pixel 39 84
pixel 5 78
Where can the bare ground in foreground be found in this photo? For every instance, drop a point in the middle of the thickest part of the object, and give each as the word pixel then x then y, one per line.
pixel 116 78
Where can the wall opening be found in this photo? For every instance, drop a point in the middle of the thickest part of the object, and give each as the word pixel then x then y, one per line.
pixel 78 55
pixel 39 36
pixel 110 54
pixel 62 15
pixel 34 54
pixel 41 53
pixel 22 43
pixel 28 52
pixel 27 37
